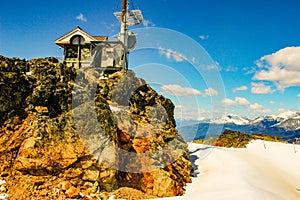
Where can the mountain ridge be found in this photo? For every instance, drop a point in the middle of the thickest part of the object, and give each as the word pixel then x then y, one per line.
pixel 237 119
pixel 285 125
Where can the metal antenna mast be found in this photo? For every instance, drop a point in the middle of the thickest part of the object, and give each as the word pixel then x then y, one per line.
pixel 123 21
pixel 123 31
pixel 128 18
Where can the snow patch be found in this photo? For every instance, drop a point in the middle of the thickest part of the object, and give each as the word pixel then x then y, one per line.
pixel 3 196
pixel 2 189
pixel 114 109
pixel 263 170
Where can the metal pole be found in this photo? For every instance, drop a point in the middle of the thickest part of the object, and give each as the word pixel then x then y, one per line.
pixel 123 33
pixel 124 10
pixel 295 151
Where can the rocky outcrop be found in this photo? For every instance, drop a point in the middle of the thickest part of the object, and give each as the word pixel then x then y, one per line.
pixel 237 139
pixel 68 134
pixel 153 157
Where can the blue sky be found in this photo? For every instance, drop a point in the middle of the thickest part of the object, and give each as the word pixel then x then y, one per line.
pixel 254 46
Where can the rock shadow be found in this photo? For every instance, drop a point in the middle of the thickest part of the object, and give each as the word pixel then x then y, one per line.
pixel 194 156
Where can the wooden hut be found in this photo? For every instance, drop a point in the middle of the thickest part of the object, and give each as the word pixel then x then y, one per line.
pixel 78 45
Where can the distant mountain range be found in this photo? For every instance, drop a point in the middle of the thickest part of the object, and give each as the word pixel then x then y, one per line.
pixel 285 125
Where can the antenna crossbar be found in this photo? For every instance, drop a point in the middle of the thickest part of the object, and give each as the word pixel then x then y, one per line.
pixel 133 17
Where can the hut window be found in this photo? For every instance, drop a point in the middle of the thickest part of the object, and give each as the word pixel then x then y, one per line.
pixel 71 51
pixel 77 40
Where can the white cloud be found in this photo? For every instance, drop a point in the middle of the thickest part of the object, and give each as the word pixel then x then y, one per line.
pixel 282 110
pixel 238 101
pixel 193 60
pixel 272 102
pixel 148 23
pixel 244 103
pixel 298 95
pixel 172 55
pixel 256 106
pixel 266 110
pixel 178 57
pixel 231 68
pixel 210 92
pixel 241 88
pixel 81 17
pixel 186 113
pixel 177 90
pixel 261 88
pixel 203 37
pixel 210 67
pixel 249 70
pixel 228 102
pixel 282 68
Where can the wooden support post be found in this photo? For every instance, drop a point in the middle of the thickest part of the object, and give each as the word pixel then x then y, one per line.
pixel 79 53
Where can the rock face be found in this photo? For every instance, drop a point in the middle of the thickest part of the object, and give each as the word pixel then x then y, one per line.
pixel 67 134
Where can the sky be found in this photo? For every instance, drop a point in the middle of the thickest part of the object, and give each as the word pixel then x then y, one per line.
pixel 209 57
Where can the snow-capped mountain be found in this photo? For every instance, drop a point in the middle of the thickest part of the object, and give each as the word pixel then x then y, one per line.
pixel 285 125
pixel 289 124
pixel 266 121
pixel 229 119
pixel 289 114
pixel 288 120
pixel 266 118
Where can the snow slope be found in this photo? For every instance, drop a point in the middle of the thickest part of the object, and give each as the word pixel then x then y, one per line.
pixel 264 170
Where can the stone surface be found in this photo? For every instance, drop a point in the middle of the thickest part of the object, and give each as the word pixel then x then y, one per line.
pixel 69 133
pixel 72 192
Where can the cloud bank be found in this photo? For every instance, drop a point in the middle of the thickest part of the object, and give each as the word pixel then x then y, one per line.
pixel 241 88
pixel 282 68
pixel 243 102
pixel 261 88
pixel 172 55
pixel 179 91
